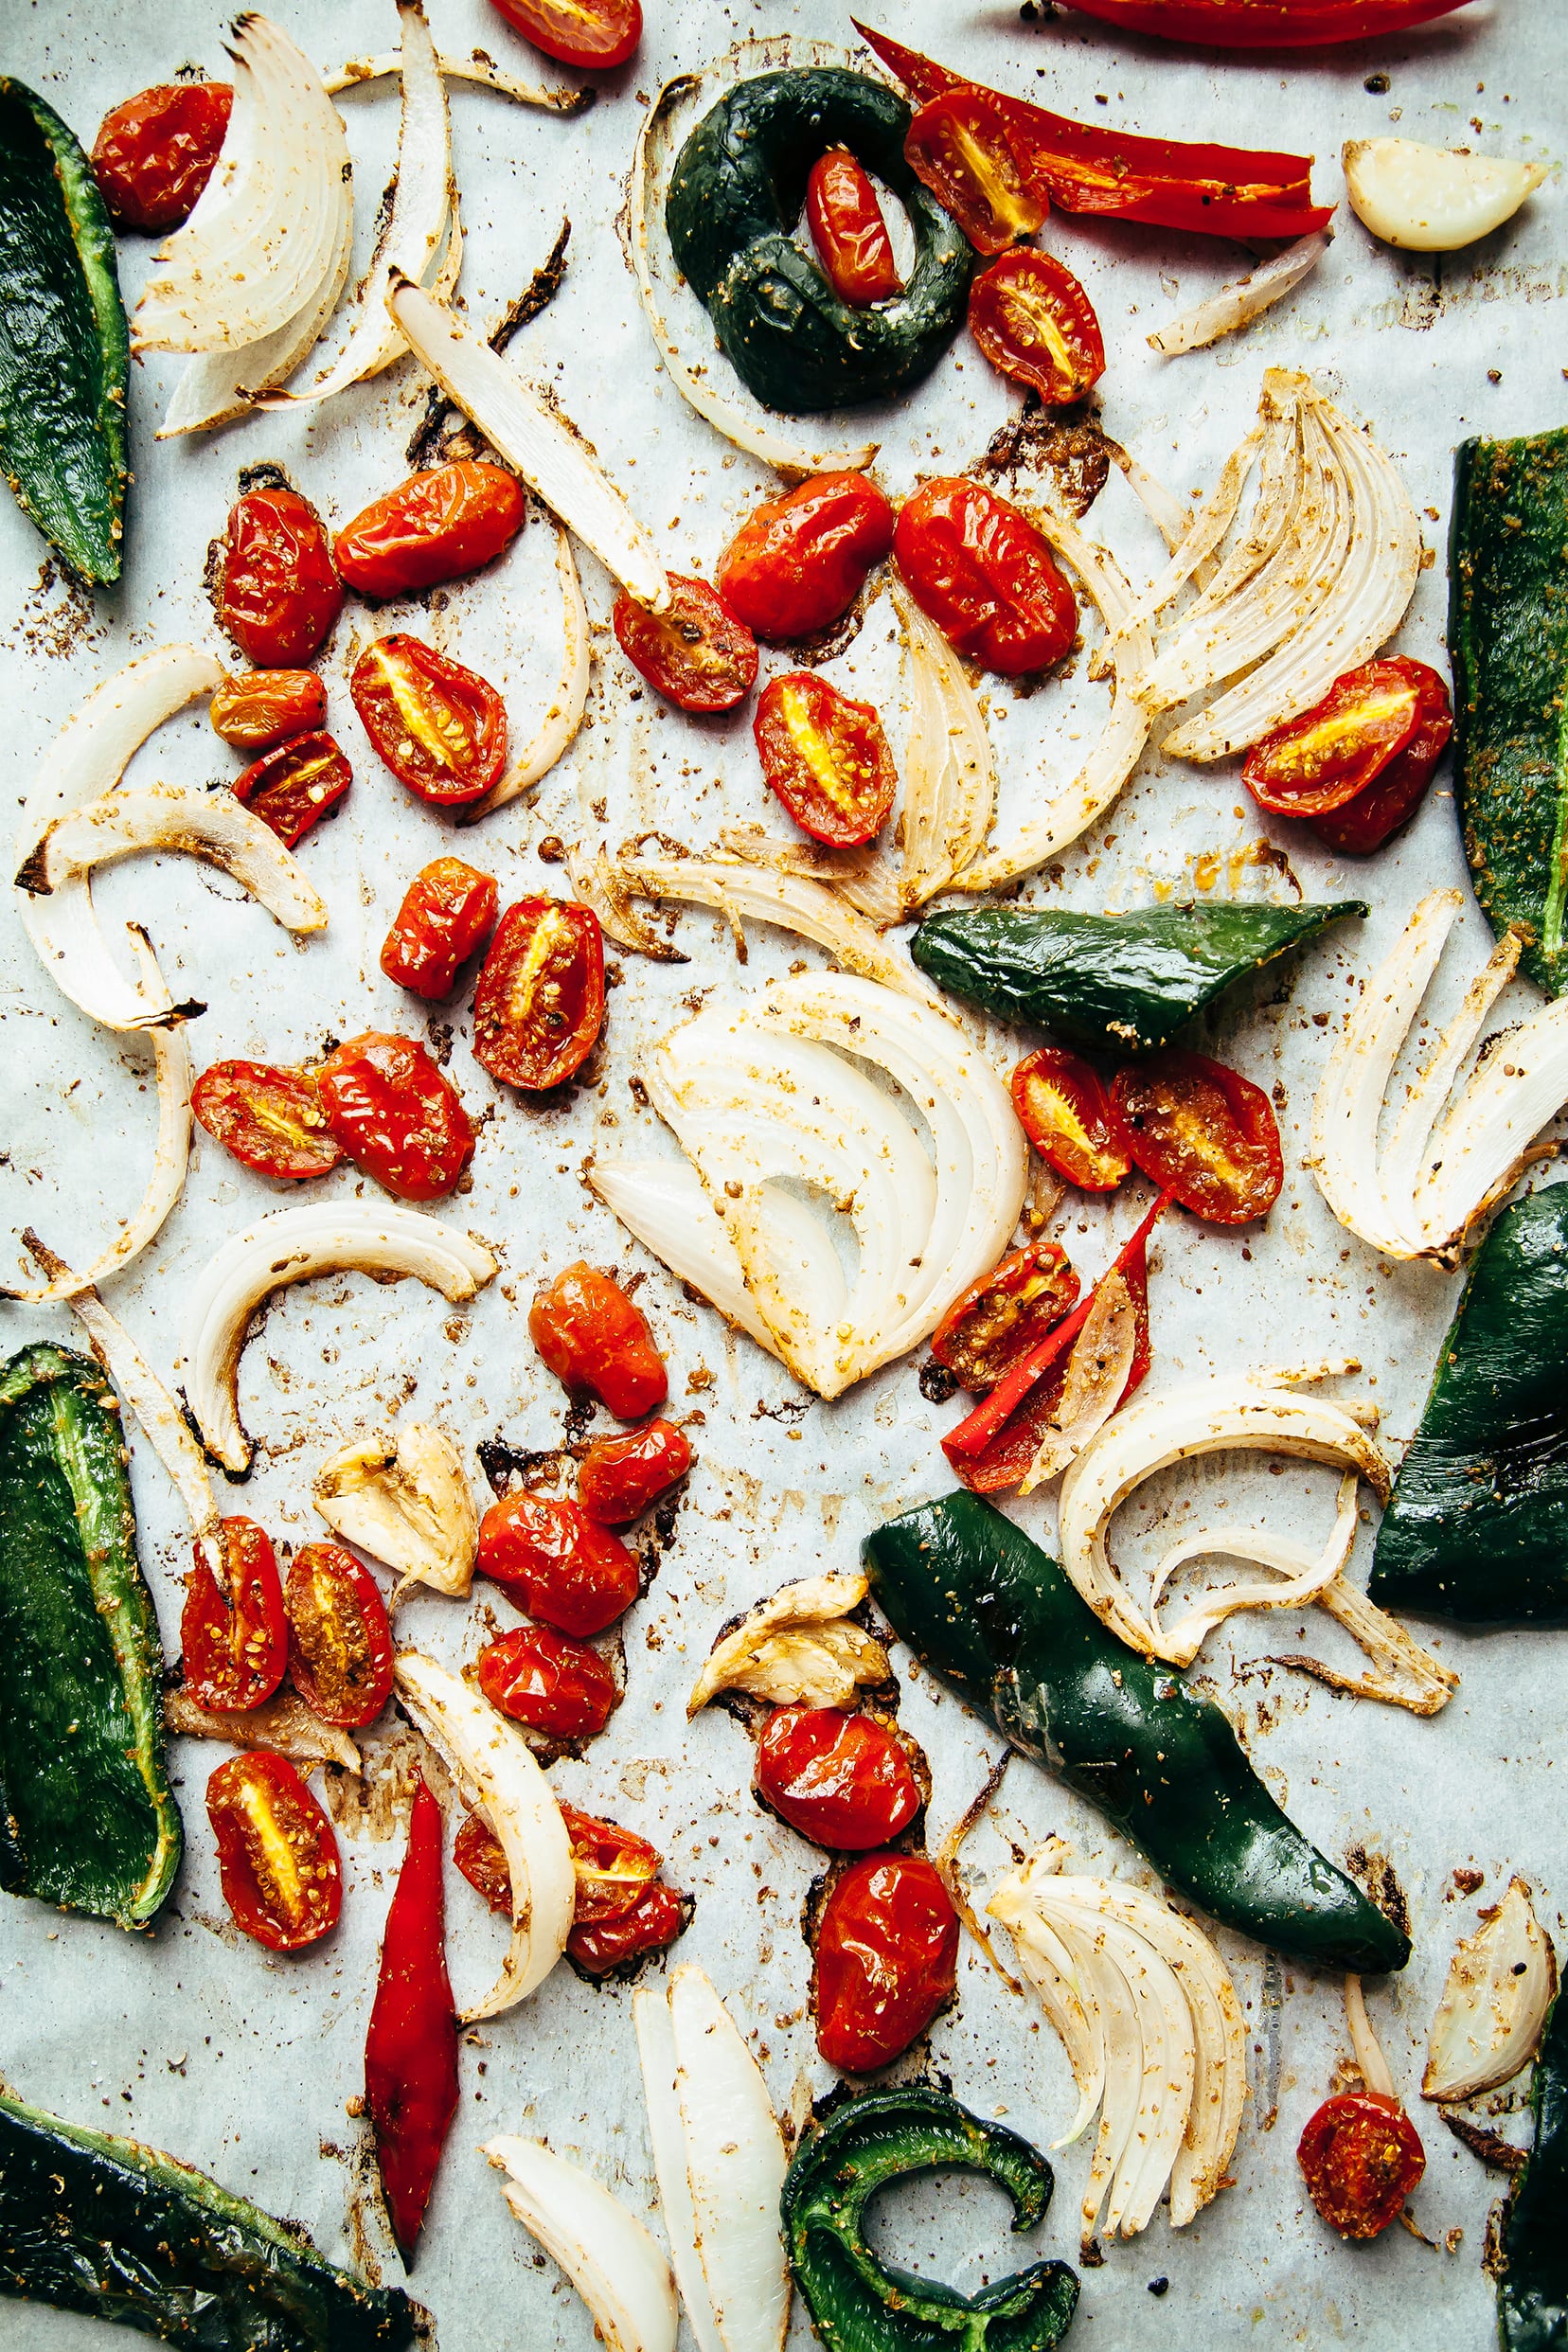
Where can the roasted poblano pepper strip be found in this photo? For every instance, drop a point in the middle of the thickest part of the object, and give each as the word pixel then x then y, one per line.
pixel 1126 984
pixel 992 1614
pixel 123 2233
pixel 64 349
pixel 1532 2288
pixel 856 2302
pixel 87 1818
pixel 1508 641
pixel 1477 1525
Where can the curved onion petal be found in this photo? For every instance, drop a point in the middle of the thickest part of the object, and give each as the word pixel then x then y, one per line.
pixel 1429 199
pixel 405 1499
pixel 1307 1576
pixel 477 68
pixel 1236 306
pixel 1500 1982
pixel 609 890
pixel 604 2251
pixel 282 1722
pixel 949 776
pixel 557 729
pixel 497 1776
pixel 795 1647
pixel 793 901
pixel 291 1246
pixel 665 1204
pixel 1403 1674
pixel 865 879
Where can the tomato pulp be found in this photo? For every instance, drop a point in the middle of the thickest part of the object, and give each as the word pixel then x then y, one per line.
pixel 448 911
pixel 577 32
pixel 278 1857
pixel 653 1916
pixel 613 1866
pixel 1362 2157
pixel 845 219
pixel 1318 762
pixel 619 1478
pixel 339 1643
pixel 981 571
pixel 277 592
pixel 544 1679
pixel 797 563
pixel 295 785
pixel 826 759
pixel 236 1647
pixel 844 1781
pixel 267 705
pixel 960 145
pixel 1001 1317
pixel 270 1118
pixel 539 1004
pixel 1205 1135
pixel 556 1562
pixel 436 526
pixel 886 1962
pixel 1064 1110
pixel 695 652
pixel 440 728
pixel 154 152
pixel 592 1336
pixel 396 1115
pixel 1033 321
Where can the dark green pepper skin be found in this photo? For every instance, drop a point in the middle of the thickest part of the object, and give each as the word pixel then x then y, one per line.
pixel 1532 2291
pixel 123 2233
pixel 734 196
pixel 860 2304
pixel 87 1818
pixel 1477 1525
pixel 1120 984
pixel 997 1617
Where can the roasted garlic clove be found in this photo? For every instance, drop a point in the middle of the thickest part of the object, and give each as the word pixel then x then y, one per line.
pixel 1430 199
pixel 1500 1986
pixel 800 1648
pixel 405 1500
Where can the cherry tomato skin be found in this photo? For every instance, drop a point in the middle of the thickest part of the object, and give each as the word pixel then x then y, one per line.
pixel 959 145
pixel 1327 757
pixel 1204 1133
pixel 482 1859
pixel 654 1920
pixel 797 563
pixel 236 1649
pixel 556 1562
pixel 539 1004
pixel 619 1478
pixel 1362 2157
pixel 844 1781
pixel 154 152
pixel 295 785
pixel 980 570
pixel 886 1960
pixel 826 759
pixel 1033 321
pixel 849 231
pixel 440 728
pixel 1005 1314
pixel 277 592
pixel 1378 812
pixel 643 1915
pixel 448 911
pixel 436 526
pixel 278 1857
pixel 592 1336
pixel 1065 1111
pixel 271 1119
pixel 591 33
pixel 615 1867
pixel 695 652
pixel 554 1684
pixel 339 1643
pixel 396 1115
pixel 266 707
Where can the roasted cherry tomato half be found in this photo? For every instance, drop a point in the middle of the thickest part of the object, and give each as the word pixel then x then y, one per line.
pixel 695 653
pixel 270 1118
pixel 654 1920
pixel 154 152
pixel 396 1115
pixel 1204 1133
pixel 339 1643
pixel 618 1478
pixel 613 1866
pixel 1065 1111
pixel 592 1336
pixel 981 571
pixel 556 1562
pixel 482 1859
pixel 1005 1313
pixel 844 1781
pixel 1316 763
pixel 278 1858
pixel 295 785
pixel 849 231
pixel 266 707
pixel 1378 812
pixel 236 1647
pixel 448 911
pixel 826 759
pixel 886 1962
pixel 797 563
pixel 277 592
pixel 539 1004
pixel 959 145
pixel 554 1684
pixel 436 526
pixel 1362 2157
pixel 1033 321
pixel 592 33
pixel 440 728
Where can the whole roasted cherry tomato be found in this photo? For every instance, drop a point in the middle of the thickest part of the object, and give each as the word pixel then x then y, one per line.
pixel 555 1685
pixel 592 1336
pixel 1006 1313
pixel 266 707
pixel 1328 756
pixel 539 1004
pixel 556 1562
pixel 1065 1110
pixel 959 145
pixel 613 1866
pixel 1362 2156
pixel 695 653
pixel 295 785
pixel 154 152
pixel 886 1962
pixel 436 526
pixel 440 728
pixel 654 1920
pixel 339 1643
pixel 1376 813
pixel 1205 1133
pixel 277 592
pixel 236 1649
pixel 797 563
pixel 826 759
pixel 844 1781
pixel 448 911
pixel 396 1115
pixel 849 231
pixel 981 571
pixel 620 1477
pixel 278 1857
pixel 592 33
pixel 270 1118
pixel 1033 321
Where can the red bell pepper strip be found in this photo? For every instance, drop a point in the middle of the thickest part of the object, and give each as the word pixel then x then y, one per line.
pixel 411 2048
pixel 1265 24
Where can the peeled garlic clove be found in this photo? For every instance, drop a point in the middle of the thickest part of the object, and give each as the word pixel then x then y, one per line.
pixel 1500 1986
pixel 799 1647
pixel 1429 199
pixel 405 1500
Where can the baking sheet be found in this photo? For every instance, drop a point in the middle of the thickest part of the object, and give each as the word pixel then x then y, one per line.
pixel 247 2064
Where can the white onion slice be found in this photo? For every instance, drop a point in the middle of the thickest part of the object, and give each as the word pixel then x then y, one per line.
pixel 1307 1576
pixel 557 729
pixel 949 776
pixel 865 879
pixel 1500 1982
pixel 603 2249
pixel 478 69
pixel 282 1722
pixel 663 1204
pixel 793 901
pixel 1236 306
pixel 1097 1366
pixel 1432 199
